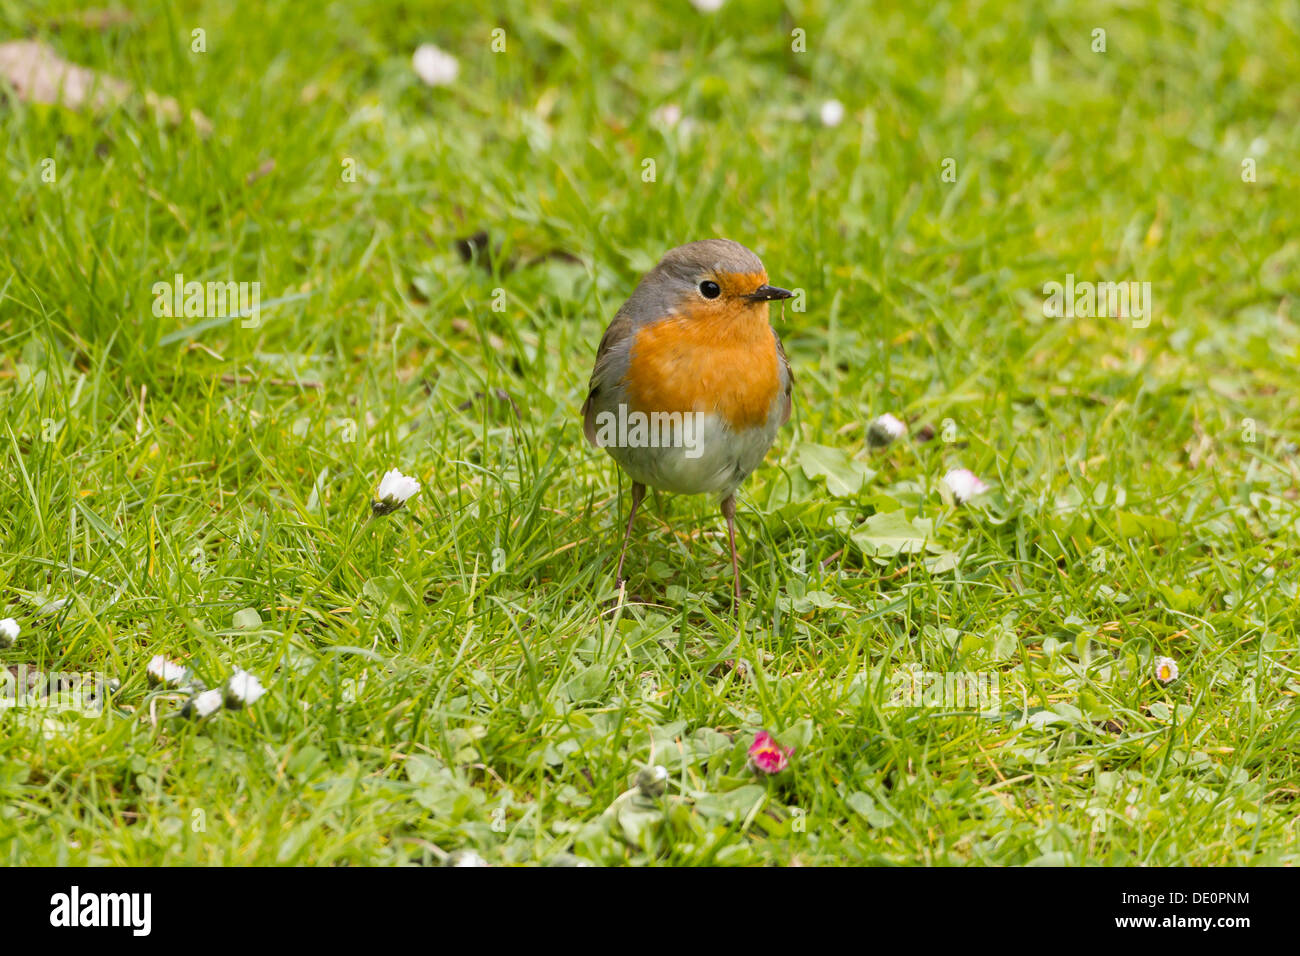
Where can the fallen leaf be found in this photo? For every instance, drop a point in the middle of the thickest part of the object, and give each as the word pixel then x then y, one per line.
pixel 39 75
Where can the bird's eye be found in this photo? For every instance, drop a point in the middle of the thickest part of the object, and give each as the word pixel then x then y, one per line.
pixel 710 289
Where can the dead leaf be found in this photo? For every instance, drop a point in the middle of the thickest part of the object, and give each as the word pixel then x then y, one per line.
pixel 39 75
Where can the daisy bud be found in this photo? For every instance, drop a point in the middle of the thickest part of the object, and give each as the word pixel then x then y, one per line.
pixel 243 690
pixel 204 705
pixel 964 484
pixel 1166 670
pixel 884 430
pixel 165 672
pixel 9 631
pixel 433 66
pixel 464 858
pixel 394 489
pixel 767 756
pixel 652 781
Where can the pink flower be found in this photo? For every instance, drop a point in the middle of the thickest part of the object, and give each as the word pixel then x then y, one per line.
pixel 768 756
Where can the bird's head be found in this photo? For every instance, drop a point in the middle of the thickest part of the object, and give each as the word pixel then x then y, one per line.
pixel 713 279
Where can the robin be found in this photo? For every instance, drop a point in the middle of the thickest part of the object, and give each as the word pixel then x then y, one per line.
pixel 691 381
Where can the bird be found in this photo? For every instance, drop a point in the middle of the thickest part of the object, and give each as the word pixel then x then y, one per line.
pixel 691 382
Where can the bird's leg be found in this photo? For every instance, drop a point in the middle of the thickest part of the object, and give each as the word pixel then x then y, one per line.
pixel 729 512
pixel 638 492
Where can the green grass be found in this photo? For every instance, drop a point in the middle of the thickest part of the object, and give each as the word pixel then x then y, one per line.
pixel 455 676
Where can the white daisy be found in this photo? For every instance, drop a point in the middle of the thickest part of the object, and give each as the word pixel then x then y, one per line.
pixel 207 703
pixel 433 66
pixel 9 631
pixel 394 490
pixel 165 672
pixel 1166 670
pixel 832 113
pixel 964 484
pixel 885 430
pixel 707 6
pixel 464 858
pixel 243 690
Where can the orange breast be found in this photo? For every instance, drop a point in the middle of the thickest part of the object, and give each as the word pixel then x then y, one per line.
pixel 721 364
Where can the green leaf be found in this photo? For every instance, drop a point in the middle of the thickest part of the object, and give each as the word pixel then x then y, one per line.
pixel 892 533
pixel 863 805
pixel 844 476
pixel 1131 525
pixel 942 562
pixel 638 818
pixel 247 619
pixel 587 684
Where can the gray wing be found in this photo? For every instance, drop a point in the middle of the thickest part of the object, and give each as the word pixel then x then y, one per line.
pixel 611 366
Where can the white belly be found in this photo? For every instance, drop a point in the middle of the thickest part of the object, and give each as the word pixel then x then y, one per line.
pixel 708 458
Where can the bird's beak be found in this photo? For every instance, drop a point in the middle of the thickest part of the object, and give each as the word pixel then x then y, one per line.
pixel 766 293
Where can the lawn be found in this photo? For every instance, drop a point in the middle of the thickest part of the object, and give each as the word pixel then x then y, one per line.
pixel 435 266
